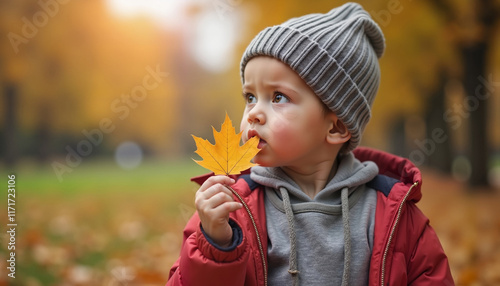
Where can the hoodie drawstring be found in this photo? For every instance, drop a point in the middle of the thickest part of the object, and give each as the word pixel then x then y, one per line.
pixel 347 235
pixel 293 268
pixel 293 238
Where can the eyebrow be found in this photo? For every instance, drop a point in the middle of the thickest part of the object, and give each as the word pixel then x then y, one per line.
pixel 285 88
pixel 273 85
pixel 245 85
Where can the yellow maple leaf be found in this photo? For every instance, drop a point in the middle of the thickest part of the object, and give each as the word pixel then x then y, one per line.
pixel 226 157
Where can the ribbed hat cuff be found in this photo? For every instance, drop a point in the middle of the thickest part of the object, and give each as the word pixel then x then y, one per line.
pixel 319 70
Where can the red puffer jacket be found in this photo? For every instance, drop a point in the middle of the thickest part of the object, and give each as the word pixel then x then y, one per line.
pixel 406 250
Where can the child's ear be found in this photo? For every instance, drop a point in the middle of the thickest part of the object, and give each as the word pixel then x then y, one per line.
pixel 337 133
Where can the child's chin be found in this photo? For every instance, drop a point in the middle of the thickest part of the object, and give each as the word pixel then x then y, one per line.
pixel 263 163
pixel 258 161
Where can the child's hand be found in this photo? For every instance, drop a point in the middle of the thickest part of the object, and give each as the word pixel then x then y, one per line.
pixel 214 202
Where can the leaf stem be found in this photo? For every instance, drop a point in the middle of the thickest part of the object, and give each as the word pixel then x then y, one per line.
pixel 261 249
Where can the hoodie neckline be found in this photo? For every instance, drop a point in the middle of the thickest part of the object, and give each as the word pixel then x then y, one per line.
pixel 276 199
pixel 350 174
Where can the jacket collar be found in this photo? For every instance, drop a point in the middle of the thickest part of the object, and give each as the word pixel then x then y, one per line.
pixel 393 166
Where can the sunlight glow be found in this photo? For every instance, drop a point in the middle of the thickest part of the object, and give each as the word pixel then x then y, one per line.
pixel 213 41
pixel 211 34
pixel 166 12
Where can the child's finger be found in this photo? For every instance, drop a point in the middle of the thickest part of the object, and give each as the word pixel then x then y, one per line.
pixel 223 180
pixel 218 199
pixel 213 197
pixel 215 189
pixel 227 207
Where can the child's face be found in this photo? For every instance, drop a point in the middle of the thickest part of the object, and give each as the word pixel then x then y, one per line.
pixel 283 111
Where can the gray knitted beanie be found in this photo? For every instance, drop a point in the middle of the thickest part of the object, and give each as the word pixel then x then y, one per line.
pixel 336 54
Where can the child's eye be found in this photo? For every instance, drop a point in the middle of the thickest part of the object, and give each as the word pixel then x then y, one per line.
pixel 250 98
pixel 280 98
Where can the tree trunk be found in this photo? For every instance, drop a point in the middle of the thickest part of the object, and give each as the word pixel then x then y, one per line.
pixel 11 152
pixel 474 62
pixel 43 134
pixel 442 156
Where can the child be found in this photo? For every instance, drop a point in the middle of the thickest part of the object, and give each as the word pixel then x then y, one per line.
pixel 316 211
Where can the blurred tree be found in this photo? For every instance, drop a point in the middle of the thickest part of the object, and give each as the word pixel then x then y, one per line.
pixel 412 67
pixel 82 65
pixel 474 25
pixel 436 107
pixel 10 123
pixel 69 66
pixel 12 71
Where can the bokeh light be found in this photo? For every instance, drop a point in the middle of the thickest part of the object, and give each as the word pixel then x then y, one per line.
pixel 128 155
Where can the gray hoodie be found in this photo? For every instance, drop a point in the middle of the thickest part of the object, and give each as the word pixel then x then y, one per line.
pixel 327 240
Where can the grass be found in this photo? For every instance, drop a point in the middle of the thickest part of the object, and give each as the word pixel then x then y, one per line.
pixel 100 225
pixel 99 175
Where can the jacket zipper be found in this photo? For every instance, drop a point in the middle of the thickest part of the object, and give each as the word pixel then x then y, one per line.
pixel 259 242
pixel 393 230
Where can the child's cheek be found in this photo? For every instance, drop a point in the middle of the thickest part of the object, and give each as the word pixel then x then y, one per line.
pixel 280 129
pixel 283 123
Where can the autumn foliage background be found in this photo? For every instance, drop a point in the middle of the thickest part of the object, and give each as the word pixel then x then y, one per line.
pixel 98 99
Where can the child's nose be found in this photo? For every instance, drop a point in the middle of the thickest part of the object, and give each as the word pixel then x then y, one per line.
pixel 256 115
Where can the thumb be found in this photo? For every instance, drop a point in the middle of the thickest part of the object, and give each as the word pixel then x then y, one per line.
pixel 233 206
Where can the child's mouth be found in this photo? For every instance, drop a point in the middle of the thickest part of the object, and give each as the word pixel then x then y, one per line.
pixel 262 143
pixel 252 133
